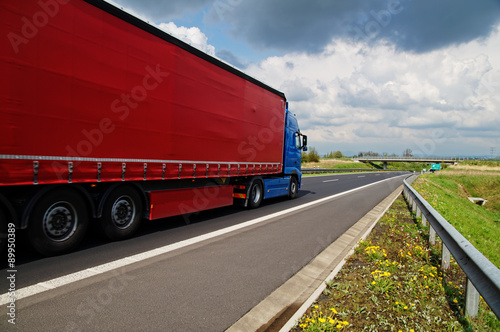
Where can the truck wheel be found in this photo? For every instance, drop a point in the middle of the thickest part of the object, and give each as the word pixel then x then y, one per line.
pixel 122 213
pixel 256 193
pixel 294 188
pixel 58 222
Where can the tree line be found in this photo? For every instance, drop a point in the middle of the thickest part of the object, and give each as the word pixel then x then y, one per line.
pixel 313 156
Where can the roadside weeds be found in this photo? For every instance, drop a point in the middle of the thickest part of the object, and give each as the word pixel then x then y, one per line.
pixel 393 282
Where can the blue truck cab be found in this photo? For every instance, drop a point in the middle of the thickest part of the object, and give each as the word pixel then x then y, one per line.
pixel 288 182
pixel 294 143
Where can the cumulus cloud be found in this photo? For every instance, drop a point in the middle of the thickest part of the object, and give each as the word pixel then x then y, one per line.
pixel 193 36
pixel 378 97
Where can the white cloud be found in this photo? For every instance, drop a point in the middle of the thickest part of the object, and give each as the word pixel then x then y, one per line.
pixel 360 97
pixel 193 36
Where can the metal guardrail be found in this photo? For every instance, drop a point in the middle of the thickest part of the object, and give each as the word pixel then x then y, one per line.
pixel 482 275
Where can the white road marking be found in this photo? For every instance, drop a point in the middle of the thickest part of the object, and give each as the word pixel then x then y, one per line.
pixel 331 180
pixel 361 176
pixel 99 269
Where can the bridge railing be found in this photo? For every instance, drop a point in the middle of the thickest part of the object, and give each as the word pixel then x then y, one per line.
pixel 483 277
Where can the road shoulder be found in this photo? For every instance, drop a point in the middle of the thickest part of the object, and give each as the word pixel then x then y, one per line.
pixel 286 304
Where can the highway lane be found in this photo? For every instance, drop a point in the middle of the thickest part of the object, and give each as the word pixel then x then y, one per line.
pixel 205 286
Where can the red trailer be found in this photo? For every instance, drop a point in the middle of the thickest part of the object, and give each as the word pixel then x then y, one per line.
pixel 103 116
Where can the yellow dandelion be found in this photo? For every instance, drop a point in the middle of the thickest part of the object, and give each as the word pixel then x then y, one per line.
pixel 455 301
pixel 333 310
pixel 321 320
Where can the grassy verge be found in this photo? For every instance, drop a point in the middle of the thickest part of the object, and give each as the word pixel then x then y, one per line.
pixel 447 192
pixel 393 282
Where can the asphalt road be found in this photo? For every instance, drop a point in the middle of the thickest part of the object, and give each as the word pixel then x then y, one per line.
pixel 206 285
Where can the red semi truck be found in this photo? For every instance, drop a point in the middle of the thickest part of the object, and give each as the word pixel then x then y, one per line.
pixel 104 117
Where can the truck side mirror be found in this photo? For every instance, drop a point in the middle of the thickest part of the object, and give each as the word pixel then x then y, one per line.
pixel 304 143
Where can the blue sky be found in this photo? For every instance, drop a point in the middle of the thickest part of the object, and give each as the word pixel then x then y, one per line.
pixel 379 75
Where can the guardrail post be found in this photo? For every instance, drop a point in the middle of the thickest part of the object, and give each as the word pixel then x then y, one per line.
pixel 445 257
pixel 424 220
pixel 432 236
pixel 414 206
pixel 419 213
pixel 471 300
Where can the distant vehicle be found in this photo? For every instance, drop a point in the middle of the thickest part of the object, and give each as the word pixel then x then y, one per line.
pixel 105 117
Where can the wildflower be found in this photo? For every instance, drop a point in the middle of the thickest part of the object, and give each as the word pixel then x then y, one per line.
pixel 455 301
pixel 321 320
pixel 331 321
pixel 333 310
pixel 405 307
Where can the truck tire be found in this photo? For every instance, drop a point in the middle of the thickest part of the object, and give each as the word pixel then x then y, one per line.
pixel 293 188
pixel 122 213
pixel 255 195
pixel 58 222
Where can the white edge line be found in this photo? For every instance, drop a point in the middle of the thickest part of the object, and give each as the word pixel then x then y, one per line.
pixel 99 269
pixel 315 295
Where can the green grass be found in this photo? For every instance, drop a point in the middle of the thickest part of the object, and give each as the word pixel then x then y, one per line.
pixel 448 192
pixel 393 282
pixel 489 163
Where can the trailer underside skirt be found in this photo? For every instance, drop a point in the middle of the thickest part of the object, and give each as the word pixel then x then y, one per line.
pixel 167 203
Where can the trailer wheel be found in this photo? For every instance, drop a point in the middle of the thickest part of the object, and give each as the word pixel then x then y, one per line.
pixel 58 222
pixel 294 188
pixel 255 196
pixel 122 213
